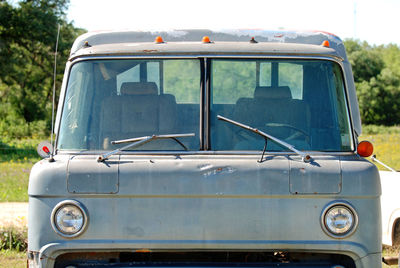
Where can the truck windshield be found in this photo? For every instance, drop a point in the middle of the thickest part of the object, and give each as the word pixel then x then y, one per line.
pixel 301 102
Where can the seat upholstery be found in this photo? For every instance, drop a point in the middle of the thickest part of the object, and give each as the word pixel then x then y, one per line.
pixel 271 108
pixel 138 111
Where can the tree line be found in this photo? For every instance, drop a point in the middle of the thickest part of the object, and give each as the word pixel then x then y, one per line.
pixel 28 34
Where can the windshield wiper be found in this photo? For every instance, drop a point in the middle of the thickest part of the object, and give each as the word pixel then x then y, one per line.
pixel 305 157
pixel 136 142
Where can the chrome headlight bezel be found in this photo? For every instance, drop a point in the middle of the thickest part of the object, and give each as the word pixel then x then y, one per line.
pixel 344 206
pixel 76 205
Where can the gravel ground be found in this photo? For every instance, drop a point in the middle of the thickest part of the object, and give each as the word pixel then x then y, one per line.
pixel 13 213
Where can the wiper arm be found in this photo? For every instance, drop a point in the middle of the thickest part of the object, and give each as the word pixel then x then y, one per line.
pixel 305 157
pixel 136 142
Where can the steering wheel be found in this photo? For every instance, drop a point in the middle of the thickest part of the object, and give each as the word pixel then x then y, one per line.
pixel 299 132
pixel 247 135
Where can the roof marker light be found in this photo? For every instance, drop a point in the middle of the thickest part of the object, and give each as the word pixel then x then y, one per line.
pixel 206 39
pixel 159 40
pixel 86 44
pixel 325 43
pixel 253 40
pixel 365 149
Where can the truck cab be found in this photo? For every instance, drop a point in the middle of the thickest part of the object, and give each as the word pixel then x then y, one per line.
pixel 201 148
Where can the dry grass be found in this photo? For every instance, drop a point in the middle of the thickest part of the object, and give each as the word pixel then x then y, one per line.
pixel 12 259
pixel 386 148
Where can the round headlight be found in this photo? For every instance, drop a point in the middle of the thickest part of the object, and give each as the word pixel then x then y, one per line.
pixel 69 218
pixel 339 220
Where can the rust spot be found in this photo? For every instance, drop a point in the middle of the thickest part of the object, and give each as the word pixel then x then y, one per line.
pixel 150 50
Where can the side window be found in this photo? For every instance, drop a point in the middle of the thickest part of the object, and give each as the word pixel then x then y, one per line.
pixel 232 80
pixel 130 75
pixel 133 74
pixel 289 74
pixel 265 74
pixel 183 83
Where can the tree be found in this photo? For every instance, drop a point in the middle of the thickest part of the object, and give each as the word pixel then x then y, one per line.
pixel 377 78
pixel 28 34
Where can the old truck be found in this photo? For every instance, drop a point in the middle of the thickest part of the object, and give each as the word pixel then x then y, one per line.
pixel 198 148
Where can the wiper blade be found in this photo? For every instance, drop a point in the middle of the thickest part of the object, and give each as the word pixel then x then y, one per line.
pixel 136 142
pixel 305 157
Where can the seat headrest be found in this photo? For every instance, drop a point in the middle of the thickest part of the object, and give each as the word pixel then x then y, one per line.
pixel 139 88
pixel 273 92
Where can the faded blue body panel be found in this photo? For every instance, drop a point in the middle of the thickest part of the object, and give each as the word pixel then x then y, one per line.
pixel 200 205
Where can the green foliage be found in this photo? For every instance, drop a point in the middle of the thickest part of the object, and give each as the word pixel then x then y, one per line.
pixel 376 72
pixel 365 60
pixel 28 34
pixel 12 238
pixel 377 129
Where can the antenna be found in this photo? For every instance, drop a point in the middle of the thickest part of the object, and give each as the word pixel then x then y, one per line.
pixel 51 159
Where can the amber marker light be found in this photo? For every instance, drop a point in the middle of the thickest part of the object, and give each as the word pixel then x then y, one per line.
pixel 325 43
pixel 143 250
pixel 159 40
pixel 206 39
pixel 365 149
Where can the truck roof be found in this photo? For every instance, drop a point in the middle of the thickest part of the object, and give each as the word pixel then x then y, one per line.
pixel 190 42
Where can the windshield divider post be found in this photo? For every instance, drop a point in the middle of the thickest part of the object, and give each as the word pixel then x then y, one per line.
pixel 202 103
pixel 207 132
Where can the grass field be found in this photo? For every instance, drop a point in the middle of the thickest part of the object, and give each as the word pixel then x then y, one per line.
pixel 386 143
pixel 16 161
pixel 14 181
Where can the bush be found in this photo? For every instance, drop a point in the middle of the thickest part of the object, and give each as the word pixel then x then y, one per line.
pixel 13 238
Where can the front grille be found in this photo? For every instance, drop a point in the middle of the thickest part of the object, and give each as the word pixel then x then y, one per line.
pixel 202 259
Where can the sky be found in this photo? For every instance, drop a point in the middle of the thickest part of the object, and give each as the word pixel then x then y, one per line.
pixel 374 21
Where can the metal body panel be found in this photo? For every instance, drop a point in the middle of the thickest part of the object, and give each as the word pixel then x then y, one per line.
pixel 200 206
pixel 220 48
pixel 390 204
pixel 261 36
pixel 85 177
pixel 322 176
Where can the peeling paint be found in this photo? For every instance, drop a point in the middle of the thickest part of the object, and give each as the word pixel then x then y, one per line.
pixel 219 170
